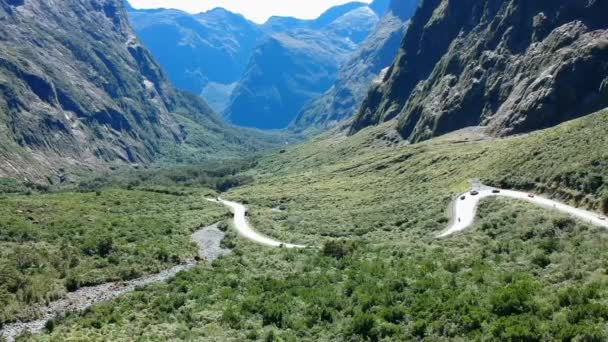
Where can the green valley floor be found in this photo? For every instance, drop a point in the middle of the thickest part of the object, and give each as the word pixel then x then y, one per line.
pixel 372 207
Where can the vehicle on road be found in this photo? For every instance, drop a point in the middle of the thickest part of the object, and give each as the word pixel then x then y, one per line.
pixel 495 191
pixel 531 195
pixel 463 198
pixel 474 192
pixel 603 218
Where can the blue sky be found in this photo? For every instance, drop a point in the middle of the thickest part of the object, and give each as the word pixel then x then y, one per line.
pixel 256 10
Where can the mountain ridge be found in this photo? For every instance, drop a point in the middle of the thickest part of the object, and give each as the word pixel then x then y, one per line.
pixel 78 89
pixel 493 68
pixel 376 53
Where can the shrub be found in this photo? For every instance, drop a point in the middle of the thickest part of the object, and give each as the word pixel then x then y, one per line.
pixel 105 246
pixel 604 203
pixel 513 299
pixel 541 260
pixel 363 325
pixel 72 283
pixel 223 226
pixel 273 313
pixel 517 328
pixel 338 249
pixel 50 325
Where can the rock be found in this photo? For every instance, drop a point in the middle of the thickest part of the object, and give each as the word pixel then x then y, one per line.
pixel 514 66
pixel 89 93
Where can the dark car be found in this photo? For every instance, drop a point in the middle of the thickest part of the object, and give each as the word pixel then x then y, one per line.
pixel 495 191
pixel 463 198
pixel 531 195
pixel 602 218
pixel 474 192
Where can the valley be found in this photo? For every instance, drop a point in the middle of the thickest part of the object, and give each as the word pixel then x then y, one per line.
pixel 509 241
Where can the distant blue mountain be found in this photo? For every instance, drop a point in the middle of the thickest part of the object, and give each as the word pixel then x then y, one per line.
pixel 206 50
pixel 257 75
pixel 298 62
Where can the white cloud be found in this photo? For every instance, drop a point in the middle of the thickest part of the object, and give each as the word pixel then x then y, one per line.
pixel 256 10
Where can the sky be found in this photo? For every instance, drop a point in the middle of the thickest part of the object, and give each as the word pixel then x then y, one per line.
pixel 255 10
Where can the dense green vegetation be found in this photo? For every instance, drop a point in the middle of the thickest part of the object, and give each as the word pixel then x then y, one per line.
pixel 53 243
pixel 523 274
pixel 218 175
pixel 373 208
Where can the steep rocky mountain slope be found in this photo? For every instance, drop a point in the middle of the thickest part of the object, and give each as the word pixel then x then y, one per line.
pixel 78 88
pixel 355 77
pixel 204 53
pixel 297 64
pixel 514 66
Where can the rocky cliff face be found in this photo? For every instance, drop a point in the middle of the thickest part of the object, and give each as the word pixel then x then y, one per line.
pixel 514 66
pixel 77 88
pixel 355 77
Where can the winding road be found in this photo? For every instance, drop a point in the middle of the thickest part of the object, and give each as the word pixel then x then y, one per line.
pixel 464 209
pixel 244 228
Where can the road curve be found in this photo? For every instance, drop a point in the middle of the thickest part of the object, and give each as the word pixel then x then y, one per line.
pixel 464 210
pixel 244 228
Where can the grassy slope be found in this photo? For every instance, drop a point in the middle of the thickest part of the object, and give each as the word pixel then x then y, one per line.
pixel 522 273
pixel 356 187
pixel 49 243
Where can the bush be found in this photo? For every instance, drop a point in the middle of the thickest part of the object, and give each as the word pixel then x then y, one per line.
pixel 363 325
pixel 72 283
pixel 604 203
pixel 273 313
pixel 513 299
pixel 338 249
pixel 105 246
pixel 223 226
pixel 517 328
pixel 541 260
pixel 50 325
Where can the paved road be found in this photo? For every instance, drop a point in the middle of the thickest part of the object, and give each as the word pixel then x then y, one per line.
pixel 244 228
pixel 464 211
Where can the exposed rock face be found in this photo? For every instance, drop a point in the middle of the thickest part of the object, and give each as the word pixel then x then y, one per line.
pixel 204 53
pixel 514 66
pixel 77 88
pixel 355 77
pixel 290 68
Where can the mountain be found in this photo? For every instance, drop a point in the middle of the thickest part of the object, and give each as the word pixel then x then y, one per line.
pixel 282 24
pixel 514 66
pixel 355 77
pixel 297 64
pixel 77 88
pixel 204 53
pixel 286 70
